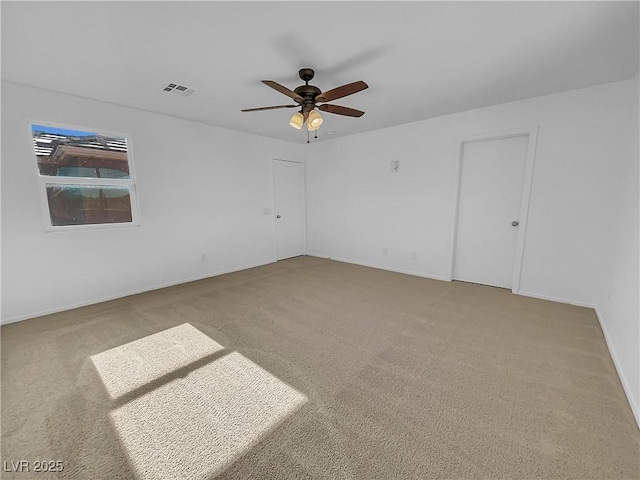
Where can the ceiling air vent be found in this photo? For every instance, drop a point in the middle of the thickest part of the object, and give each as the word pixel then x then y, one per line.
pixel 179 89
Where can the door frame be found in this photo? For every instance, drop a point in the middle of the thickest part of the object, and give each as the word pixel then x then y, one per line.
pixel 273 203
pixel 532 133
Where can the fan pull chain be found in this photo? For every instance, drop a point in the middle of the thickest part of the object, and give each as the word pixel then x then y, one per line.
pixel 308 137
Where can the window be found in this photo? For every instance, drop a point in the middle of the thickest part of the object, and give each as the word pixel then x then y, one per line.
pixel 86 178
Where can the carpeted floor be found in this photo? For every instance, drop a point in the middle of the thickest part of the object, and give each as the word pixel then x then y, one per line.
pixel 377 375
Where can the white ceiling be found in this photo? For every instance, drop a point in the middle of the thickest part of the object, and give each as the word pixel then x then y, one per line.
pixel 420 59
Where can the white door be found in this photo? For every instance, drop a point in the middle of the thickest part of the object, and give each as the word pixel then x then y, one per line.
pixel 288 188
pixel 492 176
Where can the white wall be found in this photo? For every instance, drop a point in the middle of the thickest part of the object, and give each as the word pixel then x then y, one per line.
pixel 201 190
pixel 356 206
pixel 582 235
pixel 618 305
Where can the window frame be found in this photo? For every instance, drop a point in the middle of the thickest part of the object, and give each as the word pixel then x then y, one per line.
pixel 45 180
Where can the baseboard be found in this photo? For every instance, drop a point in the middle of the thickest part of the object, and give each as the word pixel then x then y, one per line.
pixel 380 267
pixel 616 363
pixel 555 299
pixel 128 294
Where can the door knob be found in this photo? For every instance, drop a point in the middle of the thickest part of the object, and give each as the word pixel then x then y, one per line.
pixel 515 223
pixel 277 216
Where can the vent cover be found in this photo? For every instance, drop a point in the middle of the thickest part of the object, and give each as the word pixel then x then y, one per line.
pixel 179 89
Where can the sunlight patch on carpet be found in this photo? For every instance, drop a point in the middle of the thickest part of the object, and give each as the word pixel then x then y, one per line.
pixel 133 365
pixel 195 427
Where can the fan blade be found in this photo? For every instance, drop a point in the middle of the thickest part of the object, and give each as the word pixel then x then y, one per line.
pixel 281 89
pixel 342 91
pixel 268 108
pixel 337 109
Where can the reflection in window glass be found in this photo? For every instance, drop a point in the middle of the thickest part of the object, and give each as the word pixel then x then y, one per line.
pixel 85 204
pixel 60 150
pixel 85 172
pixel 112 173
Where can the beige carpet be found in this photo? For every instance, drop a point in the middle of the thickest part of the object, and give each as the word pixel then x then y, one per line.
pixel 311 368
pixel 196 424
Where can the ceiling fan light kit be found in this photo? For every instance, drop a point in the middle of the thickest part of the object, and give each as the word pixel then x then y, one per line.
pixel 297 120
pixel 308 97
pixel 315 120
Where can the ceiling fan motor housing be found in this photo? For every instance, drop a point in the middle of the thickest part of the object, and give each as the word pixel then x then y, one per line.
pixel 309 94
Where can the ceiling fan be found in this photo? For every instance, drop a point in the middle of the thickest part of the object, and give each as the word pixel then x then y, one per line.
pixel 309 96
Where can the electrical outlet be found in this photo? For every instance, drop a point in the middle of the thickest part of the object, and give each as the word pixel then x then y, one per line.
pixel 414 255
pixel 385 251
pixel 203 258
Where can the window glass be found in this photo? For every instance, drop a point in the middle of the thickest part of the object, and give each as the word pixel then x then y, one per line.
pixel 84 204
pixel 85 176
pixel 61 150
